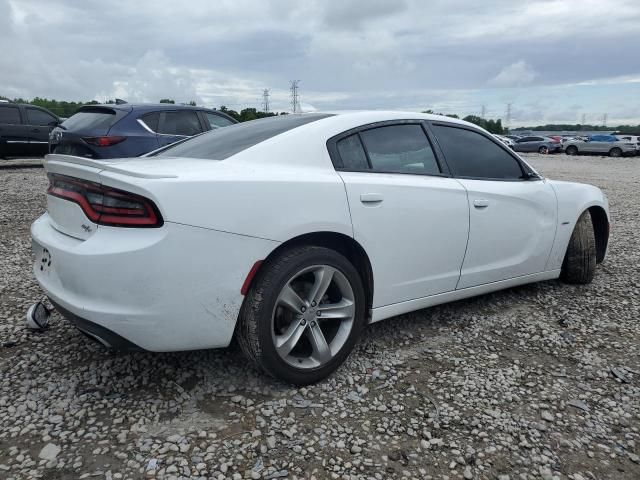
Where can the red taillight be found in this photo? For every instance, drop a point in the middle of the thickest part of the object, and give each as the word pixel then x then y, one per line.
pixel 105 205
pixel 104 141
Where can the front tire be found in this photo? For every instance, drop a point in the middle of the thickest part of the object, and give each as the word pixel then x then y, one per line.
pixel 303 314
pixel 571 150
pixel 543 150
pixel 579 264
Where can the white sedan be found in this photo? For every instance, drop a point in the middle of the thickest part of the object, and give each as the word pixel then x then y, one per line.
pixel 291 233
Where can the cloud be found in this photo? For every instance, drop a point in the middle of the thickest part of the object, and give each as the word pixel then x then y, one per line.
pixel 514 75
pixel 453 56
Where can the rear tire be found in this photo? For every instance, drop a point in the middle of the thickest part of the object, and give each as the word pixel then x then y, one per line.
pixel 579 264
pixel 320 335
pixel 615 152
pixel 571 150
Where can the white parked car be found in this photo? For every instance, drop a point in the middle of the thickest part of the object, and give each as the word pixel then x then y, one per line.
pixel 506 140
pixel 294 232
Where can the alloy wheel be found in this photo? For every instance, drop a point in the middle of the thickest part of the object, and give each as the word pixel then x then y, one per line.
pixel 313 316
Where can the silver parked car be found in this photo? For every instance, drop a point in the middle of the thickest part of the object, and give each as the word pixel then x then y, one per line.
pixel 537 144
pixel 602 144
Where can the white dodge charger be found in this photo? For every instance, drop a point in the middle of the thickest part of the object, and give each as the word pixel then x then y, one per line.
pixel 291 233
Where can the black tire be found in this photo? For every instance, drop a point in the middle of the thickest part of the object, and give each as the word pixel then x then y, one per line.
pixel 543 150
pixel 615 152
pixel 3 149
pixel 571 150
pixel 254 328
pixel 579 264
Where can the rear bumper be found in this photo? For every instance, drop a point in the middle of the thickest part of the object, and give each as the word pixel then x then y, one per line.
pixel 103 335
pixel 165 289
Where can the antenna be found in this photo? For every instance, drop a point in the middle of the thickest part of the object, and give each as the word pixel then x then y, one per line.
pixel 265 100
pixel 295 97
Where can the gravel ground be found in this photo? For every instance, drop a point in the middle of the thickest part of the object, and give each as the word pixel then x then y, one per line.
pixel 540 381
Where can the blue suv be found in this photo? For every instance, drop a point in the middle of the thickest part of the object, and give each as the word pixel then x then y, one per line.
pixel 128 130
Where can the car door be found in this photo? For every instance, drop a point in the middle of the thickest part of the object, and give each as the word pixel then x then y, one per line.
pixel 408 215
pixel 40 124
pixel 14 136
pixel 512 213
pixel 177 125
pixel 525 144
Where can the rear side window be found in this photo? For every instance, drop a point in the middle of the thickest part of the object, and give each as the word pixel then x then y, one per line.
pixel 352 154
pixel 400 149
pixel 470 154
pixel 38 117
pixel 184 123
pixel 151 120
pixel 10 115
pixel 222 143
pixel 217 121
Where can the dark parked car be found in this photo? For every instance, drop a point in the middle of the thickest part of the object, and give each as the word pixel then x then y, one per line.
pixel 24 129
pixel 537 144
pixel 127 130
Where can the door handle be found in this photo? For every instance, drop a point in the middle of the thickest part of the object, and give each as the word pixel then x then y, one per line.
pixel 35 130
pixel 481 203
pixel 371 198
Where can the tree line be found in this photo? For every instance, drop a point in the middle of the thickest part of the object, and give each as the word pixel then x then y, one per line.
pixel 66 109
pixel 491 126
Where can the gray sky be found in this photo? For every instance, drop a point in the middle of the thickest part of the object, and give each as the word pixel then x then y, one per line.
pixel 554 60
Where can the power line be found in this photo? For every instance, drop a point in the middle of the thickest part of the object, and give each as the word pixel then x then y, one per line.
pixel 265 100
pixel 295 97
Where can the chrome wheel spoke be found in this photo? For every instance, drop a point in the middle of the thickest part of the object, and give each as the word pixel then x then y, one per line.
pixel 345 308
pixel 290 338
pixel 321 351
pixel 323 277
pixel 298 338
pixel 290 299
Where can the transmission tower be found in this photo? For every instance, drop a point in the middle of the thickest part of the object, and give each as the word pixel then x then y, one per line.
pixel 604 120
pixel 483 111
pixel 508 122
pixel 295 97
pixel 583 120
pixel 265 100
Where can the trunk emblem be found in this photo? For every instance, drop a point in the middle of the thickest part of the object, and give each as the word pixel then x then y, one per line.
pixel 86 228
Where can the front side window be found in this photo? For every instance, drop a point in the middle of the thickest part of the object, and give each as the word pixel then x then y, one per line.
pixel 217 121
pixel 10 115
pixel 471 154
pixel 400 149
pixel 38 117
pixel 183 123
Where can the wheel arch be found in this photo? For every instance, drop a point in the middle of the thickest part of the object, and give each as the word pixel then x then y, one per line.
pixel 339 242
pixel 600 223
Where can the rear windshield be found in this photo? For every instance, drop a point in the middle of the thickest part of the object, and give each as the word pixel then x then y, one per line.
pixel 101 119
pixel 222 143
